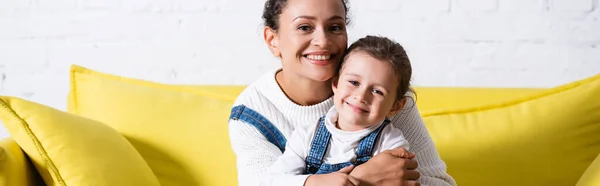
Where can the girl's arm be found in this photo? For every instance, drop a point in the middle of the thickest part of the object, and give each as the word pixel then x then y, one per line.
pixel 290 165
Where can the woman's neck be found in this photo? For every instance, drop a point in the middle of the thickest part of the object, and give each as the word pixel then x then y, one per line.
pixel 303 91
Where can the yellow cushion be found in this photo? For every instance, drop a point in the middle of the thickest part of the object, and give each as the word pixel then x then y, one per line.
pixel 71 150
pixel 15 168
pixel 591 176
pixel 435 99
pixel 181 132
pixel 548 138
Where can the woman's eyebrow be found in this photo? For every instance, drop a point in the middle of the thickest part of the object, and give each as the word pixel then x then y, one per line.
pixel 314 18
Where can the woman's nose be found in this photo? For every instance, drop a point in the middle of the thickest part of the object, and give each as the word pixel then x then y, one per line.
pixel 320 38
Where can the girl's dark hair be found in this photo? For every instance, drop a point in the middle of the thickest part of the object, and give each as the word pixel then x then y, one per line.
pixel 273 9
pixel 385 49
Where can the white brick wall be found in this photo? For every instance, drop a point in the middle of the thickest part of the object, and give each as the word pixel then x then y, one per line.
pixel 482 43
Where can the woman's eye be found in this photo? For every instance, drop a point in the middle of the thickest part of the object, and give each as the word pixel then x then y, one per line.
pixel 355 83
pixel 304 28
pixel 336 28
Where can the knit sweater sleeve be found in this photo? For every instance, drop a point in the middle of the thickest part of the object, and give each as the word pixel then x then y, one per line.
pixel 255 155
pixel 432 168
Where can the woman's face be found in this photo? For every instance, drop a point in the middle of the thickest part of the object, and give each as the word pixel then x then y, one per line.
pixel 311 38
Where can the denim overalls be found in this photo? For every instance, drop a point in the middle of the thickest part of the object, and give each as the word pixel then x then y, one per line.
pixel 314 161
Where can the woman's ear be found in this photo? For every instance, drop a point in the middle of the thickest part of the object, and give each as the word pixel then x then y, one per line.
pixel 397 107
pixel 272 40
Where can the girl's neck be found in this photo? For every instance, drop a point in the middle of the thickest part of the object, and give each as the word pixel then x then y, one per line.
pixel 345 126
pixel 303 91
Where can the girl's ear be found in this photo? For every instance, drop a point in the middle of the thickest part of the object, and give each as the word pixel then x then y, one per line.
pixel 397 107
pixel 272 40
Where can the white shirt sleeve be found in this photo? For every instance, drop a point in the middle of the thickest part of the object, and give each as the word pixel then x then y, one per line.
pixel 391 138
pixel 288 168
pixel 255 155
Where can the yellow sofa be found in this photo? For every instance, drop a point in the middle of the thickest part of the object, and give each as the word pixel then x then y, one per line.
pixel 124 131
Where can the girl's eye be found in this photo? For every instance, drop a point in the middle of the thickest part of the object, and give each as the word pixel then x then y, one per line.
pixel 355 83
pixel 377 92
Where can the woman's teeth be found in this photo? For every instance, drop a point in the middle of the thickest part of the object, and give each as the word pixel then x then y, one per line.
pixel 318 57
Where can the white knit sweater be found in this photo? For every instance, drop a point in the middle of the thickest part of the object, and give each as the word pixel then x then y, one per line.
pixel 255 154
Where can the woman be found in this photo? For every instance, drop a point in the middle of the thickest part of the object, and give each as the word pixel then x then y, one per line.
pixel 309 37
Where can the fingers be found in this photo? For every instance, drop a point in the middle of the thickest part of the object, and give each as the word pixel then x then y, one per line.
pixel 408 155
pixel 401 152
pixel 411 175
pixel 354 181
pixel 346 170
pixel 411 183
pixel 410 164
pixel 349 184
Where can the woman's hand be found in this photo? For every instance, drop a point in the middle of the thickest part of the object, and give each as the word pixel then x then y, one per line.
pixel 339 178
pixel 390 167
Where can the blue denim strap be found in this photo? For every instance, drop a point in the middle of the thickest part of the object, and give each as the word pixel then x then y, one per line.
pixel 367 144
pixel 264 126
pixel 317 148
pixel 329 168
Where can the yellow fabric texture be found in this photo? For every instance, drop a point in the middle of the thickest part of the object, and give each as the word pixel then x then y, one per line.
pixel 71 150
pixel 15 168
pixel 591 176
pixel 180 132
pixel 436 99
pixel 548 138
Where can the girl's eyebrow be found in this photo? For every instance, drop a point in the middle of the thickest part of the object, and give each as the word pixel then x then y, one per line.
pixel 351 74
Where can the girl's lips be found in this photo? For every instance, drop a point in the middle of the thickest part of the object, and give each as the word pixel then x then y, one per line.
pixel 356 108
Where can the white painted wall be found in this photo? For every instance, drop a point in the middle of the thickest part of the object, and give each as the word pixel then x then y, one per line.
pixel 481 43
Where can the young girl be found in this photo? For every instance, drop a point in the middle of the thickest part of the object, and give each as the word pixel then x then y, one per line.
pixel 370 88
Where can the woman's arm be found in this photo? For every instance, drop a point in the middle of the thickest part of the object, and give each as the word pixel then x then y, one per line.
pixel 430 165
pixel 255 155
pixel 391 167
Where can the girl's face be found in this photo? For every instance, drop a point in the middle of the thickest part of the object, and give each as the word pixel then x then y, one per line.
pixel 365 92
pixel 311 38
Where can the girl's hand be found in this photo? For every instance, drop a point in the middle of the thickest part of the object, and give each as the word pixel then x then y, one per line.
pixel 339 178
pixel 390 167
